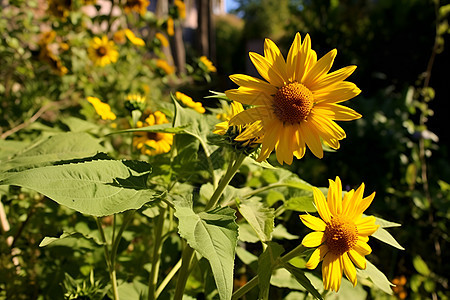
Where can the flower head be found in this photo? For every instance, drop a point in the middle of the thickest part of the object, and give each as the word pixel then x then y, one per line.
pixel 135 102
pixel 139 6
pixel 133 38
pixel 181 8
pixel 165 67
pixel 152 143
pixel 102 109
pixel 208 64
pixel 170 26
pixel 298 103
pixel 102 51
pixel 186 100
pixel 162 39
pixel 341 233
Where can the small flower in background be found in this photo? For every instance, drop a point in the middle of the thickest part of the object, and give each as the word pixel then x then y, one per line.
pixel 135 102
pixel 47 37
pixel 244 135
pixel 102 109
pixel 60 8
pixel 152 143
pixel 399 288
pixel 119 37
pixel 139 6
pixel 170 26
pixel 186 100
pixel 341 233
pixel 133 38
pixel 102 51
pixel 298 103
pixel 181 8
pixel 49 52
pixel 207 64
pixel 162 40
pixel 164 66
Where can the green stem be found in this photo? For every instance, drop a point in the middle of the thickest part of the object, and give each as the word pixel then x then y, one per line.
pixel 186 258
pixel 167 279
pixel 156 259
pixel 254 281
pixel 127 217
pixel 112 272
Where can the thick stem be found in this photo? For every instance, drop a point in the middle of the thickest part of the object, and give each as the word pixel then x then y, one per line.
pixel 156 259
pixel 186 258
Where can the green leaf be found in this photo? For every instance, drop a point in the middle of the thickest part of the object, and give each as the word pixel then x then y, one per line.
pixel 302 204
pixel 273 197
pixel 166 128
pixel 49 240
pixel 303 280
pixel 260 218
pixel 280 232
pixel 386 224
pixel 79 125
pixel 266 263
pixel 377 277
pixel 384 236
pixel 247 234
pixel 98 188
pixel 8 147
pixel 420 266
pixel 63 146
pixel 213 234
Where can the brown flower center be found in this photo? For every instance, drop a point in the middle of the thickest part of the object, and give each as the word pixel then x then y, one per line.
pixel 101 51
pixel 292 103
pixel 154 136
pixel 341 235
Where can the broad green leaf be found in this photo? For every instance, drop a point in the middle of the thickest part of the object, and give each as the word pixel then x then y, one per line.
pixel 8 147
pixel 266 263
pixel 377 277
pixel 166 128
pixel 49 240
pixel 384 236
pixel 260 218
pixel 420 266
pixel 280 232
pixel 386 224
pixel 301 204
pixel 213 234
pixel 63 146
pixel 273 197
pixel 299 275
pixel 247 234
pixel 245 256
pixel 98 188
pixel 79 125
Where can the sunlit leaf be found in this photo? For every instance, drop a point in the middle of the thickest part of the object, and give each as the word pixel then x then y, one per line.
pixel 377 277
pixel 266 263
pixel 260 218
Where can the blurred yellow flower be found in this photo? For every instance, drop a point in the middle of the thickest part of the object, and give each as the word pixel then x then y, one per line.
pixel 186 100
pixel 162 39
pixel 208 64
pixel 119 37
pixel 102 109
pixel 60 8
pixel 298 103
pixel 341 233
pixel 102 51
pixel 135 101
pixel 181 7
pixel 47 37
pixel 134 39
pixel 49 54
pixel 164 65
pixel 152 143
pixel 139 6
pixel 170 26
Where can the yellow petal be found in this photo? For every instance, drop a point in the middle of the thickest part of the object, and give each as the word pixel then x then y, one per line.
pixel 364 204
pixel 326 126
pixel 270 139
pixel 249 96
pixel 333 78
pixel 291 61
pixel 265 69
pixel 273 55
pixel 336 112
pixel 321 204
pixel 346 202
pixel 284 148
pixel 336 93
pixel 316 257
pixel 334 199
pixel 362 248
pixel 312 139
pixel 366 226
pixel 320 68
pixel 357 258
pixel 253 83
pixel 332 272
pixel 353 203
pixel 313 239
pixel 249 116
pixel 300 150
pixel 349 269
pixel 303 58
pixel 313 222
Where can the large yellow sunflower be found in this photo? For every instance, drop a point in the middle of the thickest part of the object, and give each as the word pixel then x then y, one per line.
pixel 341 234
pixel 152 143
pixel 298 102
pixel 102 51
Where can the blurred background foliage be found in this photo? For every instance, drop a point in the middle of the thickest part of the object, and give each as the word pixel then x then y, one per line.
pixel 400 148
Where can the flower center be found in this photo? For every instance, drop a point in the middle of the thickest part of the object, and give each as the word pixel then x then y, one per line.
pixel 101 51
pixel 292 103
pixel 341 235
pixel 154 136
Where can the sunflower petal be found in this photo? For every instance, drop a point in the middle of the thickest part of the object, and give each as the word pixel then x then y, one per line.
pixel 284 148
pixel 333 78
pixel 291 61
pixel 249 116
pixel 303 58
pixel 336 93
pixel 321 204
pixel 366 226
pixel 253 83
pixel 272 54
pixel 332 272
pixel 336 112
pixel 300 148
pixel 364 204
pixel 249 96
pixel 320 68
pixel 362 248
pixel 313 222
pixel 349 269
pixel 313 239
pixel 265 69
pixel 312 139
pixel 316 257
pixel 358 259
pixel 269 141
pixel 326 126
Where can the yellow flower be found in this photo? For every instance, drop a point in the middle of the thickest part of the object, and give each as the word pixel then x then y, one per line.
pixel 164 65
pixel 152 143
pixel 134 39
pixel 170 25
pixel 208 64
pixel 244 134
pixel 197 106
pixel 139 6
pixel 102 51
pixel 299 102
pixel 135 101
pixel 119 37
pixel 60 8
pixel 47 37
pixel 341 233
pixel 181 7
pixel 162 39
pixel 102 109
